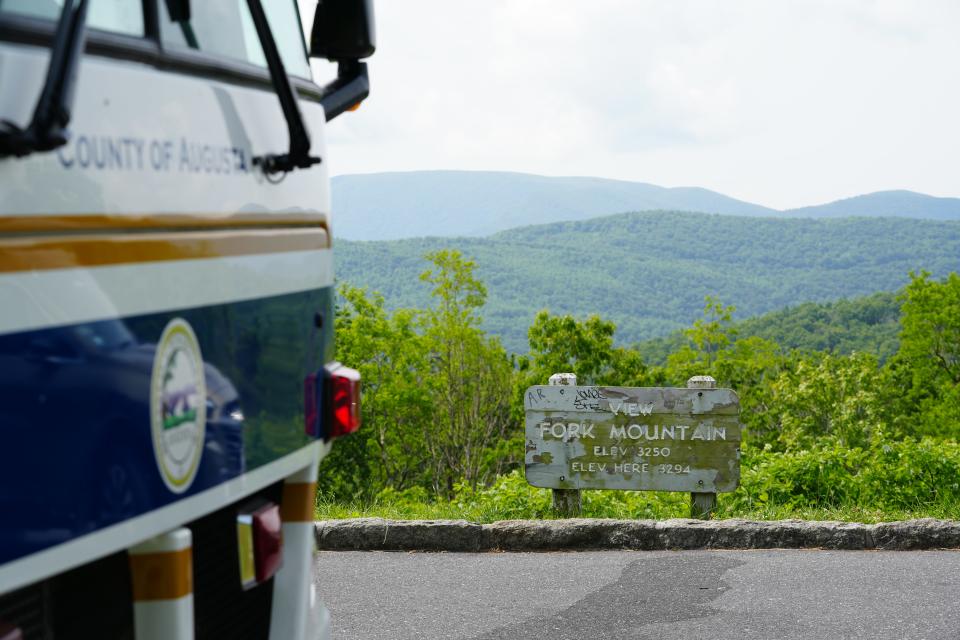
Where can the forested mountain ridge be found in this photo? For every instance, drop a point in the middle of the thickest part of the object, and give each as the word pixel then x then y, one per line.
pixel 868 324
pixel 649 272
pixel 389 206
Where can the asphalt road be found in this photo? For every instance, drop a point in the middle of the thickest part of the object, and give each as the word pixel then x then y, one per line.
pixel 659 595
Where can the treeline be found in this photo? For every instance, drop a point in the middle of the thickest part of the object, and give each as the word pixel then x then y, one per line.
pixel 869 324
pixel 443 413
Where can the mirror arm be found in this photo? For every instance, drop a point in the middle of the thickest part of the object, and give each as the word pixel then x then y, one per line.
pixel 348 90
pixel 298 156
pixel 48 128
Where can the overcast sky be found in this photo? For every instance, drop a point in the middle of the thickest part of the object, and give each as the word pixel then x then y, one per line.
pixel 784 103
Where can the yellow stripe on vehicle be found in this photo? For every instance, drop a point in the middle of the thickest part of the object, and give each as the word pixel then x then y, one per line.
pixel 64 252
pixel 40 223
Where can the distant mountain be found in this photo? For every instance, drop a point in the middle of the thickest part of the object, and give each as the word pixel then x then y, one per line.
pixel 885 204
pixel 391 206
pixel 650 271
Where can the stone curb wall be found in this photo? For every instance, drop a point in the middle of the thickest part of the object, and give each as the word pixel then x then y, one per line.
pixel 369 534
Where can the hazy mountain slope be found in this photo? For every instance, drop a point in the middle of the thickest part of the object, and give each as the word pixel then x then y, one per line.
pixel 649 272
pixel 387 206
pixel 903 204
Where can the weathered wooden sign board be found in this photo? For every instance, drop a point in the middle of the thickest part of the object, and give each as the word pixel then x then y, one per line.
pixel 640 438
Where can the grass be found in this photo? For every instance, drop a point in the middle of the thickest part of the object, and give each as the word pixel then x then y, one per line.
pixel 655 506
pixel 888 481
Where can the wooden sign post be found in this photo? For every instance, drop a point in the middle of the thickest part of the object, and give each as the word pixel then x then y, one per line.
pixel 703 504
pixel 634 438
pixel 566 502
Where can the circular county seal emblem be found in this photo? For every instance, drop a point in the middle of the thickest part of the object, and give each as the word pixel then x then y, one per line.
pixel 178 407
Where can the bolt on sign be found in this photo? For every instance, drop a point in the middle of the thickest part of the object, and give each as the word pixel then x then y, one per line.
pixel 639 438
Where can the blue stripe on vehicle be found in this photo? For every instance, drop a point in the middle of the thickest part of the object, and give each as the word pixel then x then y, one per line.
pixel 75 441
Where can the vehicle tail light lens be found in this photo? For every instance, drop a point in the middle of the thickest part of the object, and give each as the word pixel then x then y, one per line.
pixel 346 401
pixel 267 541
pixel 260 543
pixel 331 406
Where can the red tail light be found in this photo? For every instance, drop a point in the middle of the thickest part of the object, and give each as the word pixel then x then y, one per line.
pixel 346 401
pixel 331 402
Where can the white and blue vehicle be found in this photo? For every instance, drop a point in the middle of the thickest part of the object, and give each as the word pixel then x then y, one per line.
pixel 167 384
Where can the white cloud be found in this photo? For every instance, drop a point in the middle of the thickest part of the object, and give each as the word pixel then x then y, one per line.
pixel 782 103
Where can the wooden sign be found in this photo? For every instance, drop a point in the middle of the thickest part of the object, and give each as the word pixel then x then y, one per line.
pixel 639 438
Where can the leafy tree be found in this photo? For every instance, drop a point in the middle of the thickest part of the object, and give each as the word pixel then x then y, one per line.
pixel 926 369
pixel 471 377
pixel 563 344
pixel 830 396
pixel 391 357
pixel 715 330
pixel 750 366
pixel 931 327
pixel 707 337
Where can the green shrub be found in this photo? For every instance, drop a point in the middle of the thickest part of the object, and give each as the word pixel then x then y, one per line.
pixel 887 475
pixel 511 498
pixel 508 498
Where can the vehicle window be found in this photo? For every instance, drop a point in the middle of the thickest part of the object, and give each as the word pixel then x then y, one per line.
pixel 226 29
pixel 119 16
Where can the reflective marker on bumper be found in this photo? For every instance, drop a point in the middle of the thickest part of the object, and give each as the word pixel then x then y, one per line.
pixel 161 572
pixel 248 571
pixel 259 544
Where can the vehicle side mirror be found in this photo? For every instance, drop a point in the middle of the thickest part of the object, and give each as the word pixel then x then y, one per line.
pixel 343 30
pixel 343 33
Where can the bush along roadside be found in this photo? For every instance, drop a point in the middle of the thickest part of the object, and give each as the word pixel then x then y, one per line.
pixel 888 480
